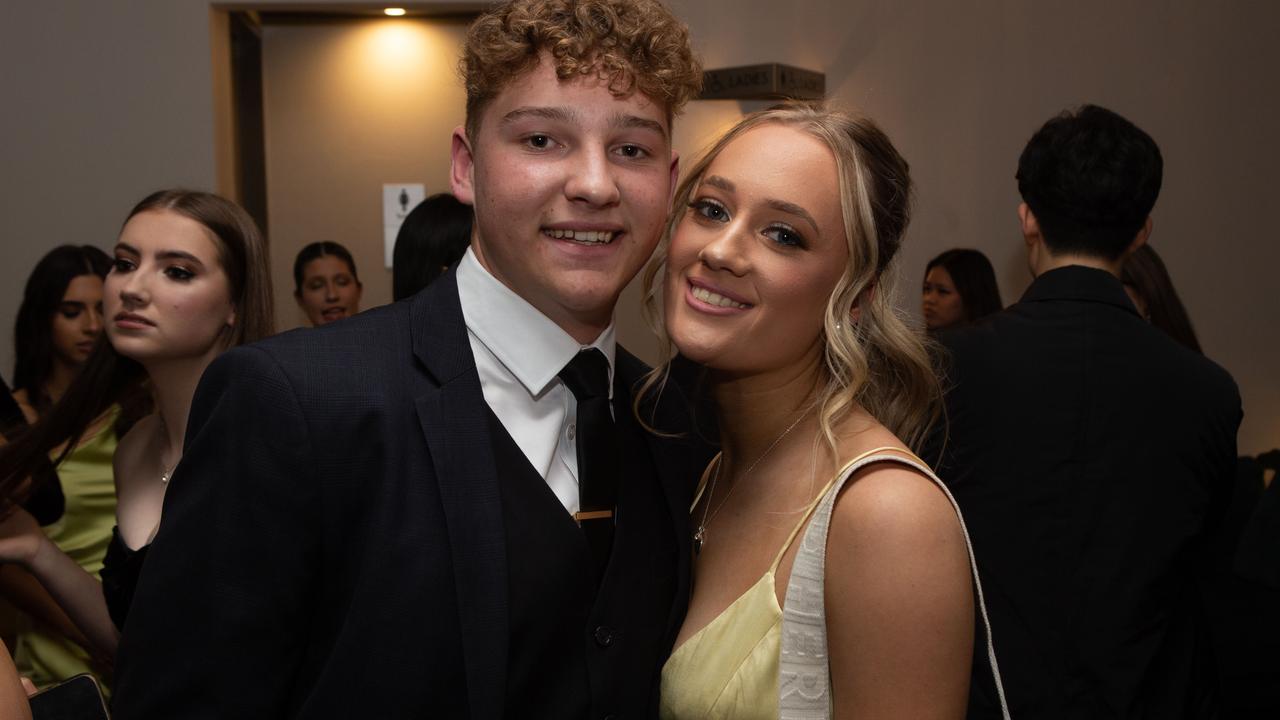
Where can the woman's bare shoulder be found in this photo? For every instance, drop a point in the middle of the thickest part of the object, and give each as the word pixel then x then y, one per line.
pixel 887 503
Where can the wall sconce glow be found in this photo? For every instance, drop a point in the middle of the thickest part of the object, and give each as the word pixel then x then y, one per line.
pixel 394 12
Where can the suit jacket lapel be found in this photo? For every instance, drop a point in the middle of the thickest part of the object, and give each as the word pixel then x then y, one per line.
pixel 452 414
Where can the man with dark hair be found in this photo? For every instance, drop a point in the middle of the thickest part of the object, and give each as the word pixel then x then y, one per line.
pixel 1090 453
pixel 1090 178
pixel 446 507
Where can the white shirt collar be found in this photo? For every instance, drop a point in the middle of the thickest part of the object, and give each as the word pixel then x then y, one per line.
pixel 527 343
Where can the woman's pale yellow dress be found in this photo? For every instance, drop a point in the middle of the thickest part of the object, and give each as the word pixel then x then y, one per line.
pixel 730 669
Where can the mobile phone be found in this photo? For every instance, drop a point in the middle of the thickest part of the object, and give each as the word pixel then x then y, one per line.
pixel 77 698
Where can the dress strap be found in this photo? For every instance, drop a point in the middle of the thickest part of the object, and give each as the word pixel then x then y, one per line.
pixel 804 677
pixel 813 504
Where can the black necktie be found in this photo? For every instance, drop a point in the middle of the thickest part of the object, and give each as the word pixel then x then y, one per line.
pixel 587 377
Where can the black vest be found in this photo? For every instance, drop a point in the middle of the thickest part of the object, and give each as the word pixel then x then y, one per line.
pixel 575 650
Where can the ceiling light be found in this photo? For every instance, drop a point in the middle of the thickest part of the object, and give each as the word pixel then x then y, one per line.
pixel 394 12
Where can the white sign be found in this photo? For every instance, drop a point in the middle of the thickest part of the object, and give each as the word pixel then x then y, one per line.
pixel 397 200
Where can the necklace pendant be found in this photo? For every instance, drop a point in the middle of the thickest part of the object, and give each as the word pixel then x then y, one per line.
pixel 698 536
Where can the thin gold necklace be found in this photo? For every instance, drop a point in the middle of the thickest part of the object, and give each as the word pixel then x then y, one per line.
pixel 700 535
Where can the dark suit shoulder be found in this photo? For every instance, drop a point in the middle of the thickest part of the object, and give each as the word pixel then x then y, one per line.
pixel 1207 384
pixel 381 324
pixel 1086 344
pixel 357 352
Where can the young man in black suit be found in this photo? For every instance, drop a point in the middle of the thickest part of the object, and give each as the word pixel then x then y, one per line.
pixel 1090 453
pixel 445 507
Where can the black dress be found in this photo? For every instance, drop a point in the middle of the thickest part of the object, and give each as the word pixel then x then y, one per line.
pixel 120 570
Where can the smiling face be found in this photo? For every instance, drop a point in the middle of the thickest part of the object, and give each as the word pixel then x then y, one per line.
pixel 167 296
pixel 571 188
pixel 757 254
pixel 329 290
pixel 77 322
pixel 941 304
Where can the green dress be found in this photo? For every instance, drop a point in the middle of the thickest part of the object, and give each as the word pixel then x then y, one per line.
pixel 83 533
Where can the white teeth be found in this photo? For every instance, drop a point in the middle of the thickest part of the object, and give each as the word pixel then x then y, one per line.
pixel 594 237
pixel 711 298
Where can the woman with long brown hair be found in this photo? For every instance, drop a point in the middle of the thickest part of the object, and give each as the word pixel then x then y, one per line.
pixel 188 280
pixel 58 325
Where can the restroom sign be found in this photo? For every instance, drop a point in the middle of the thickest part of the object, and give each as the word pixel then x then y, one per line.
pixel 398 200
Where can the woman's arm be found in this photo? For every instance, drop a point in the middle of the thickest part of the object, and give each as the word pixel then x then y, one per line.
pixel 25 593
pixel 899 600
pixel 74 591
pixel 13 697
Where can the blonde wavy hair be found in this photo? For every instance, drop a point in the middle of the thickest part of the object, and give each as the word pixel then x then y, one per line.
pixel 628 44
pixel 877 362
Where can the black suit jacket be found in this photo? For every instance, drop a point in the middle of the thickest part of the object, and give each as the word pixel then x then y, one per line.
pixel 332 544
pixel 1091 455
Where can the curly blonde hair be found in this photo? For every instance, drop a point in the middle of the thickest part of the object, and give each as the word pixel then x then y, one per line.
pixel 629 45
pixel 877 362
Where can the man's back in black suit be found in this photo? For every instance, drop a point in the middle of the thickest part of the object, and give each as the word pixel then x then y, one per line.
pixel 1090 454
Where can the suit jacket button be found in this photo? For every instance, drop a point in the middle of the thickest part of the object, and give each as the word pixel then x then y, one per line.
pixel 604 636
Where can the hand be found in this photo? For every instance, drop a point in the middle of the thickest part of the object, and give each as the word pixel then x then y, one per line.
pixel 28 686
pixel 20 538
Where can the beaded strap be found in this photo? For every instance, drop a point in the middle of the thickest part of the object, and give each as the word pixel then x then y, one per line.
pixel 804 672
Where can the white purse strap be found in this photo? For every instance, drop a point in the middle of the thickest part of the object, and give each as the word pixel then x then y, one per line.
pixel 804 672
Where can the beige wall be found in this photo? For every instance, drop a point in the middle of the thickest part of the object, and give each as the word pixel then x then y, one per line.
pixel 103 103
pixel 960 87
pixel 349 106
pixel 122 102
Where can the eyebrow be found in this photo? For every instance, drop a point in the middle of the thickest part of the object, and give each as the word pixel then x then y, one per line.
pixel 163 254
pixel 546 113
pixel 571 115
pixel 793 209
pixel 722 183
pixel 781 205
pixel 634 121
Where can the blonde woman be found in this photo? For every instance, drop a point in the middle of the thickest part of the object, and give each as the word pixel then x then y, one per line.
pixel 777 279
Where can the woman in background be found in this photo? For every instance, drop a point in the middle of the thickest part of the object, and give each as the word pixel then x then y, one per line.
pixel 58 325
pixel 325 283
pixel 1149 286
pixel 778 282
pixel 189 280
pixel 959 289
pixel 434 236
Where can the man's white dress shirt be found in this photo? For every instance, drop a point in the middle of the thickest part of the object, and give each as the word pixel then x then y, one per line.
pixel 519 353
